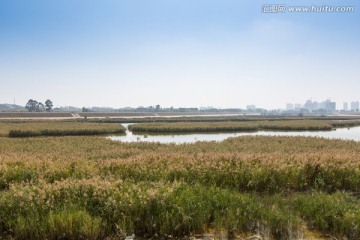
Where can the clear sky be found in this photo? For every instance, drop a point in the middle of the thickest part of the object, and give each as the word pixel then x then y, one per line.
pixel 223 53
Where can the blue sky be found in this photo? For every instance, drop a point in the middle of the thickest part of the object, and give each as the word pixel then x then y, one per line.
pixel 223 53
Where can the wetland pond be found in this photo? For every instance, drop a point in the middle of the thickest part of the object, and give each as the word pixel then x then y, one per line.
pixel 340 133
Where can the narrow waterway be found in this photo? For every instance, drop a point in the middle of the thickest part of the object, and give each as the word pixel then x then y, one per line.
pixel 341 133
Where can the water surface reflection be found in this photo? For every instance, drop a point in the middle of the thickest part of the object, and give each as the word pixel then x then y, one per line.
pixel 341 133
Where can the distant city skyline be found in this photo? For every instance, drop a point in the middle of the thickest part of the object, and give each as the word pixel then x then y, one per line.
pixel 310 105
pixel 225 54
pixel 325 104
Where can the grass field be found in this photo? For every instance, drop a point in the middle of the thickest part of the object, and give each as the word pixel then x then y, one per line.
pixel 220 118
pixel 35 115
pixel 56 128
pixel 93 188
pixel 277 125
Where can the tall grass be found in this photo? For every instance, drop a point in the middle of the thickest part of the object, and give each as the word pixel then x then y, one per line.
pixel 57 224
pixel 304 125
pixel 239 118
pixel 93 188
pixel 288 125
pixel 56 128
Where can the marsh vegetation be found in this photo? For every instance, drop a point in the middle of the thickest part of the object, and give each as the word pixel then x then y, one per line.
pixel 241 126
pixel 56 128
pixel 94 188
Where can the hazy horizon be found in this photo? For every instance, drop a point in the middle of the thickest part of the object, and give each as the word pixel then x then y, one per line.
pixel 224 54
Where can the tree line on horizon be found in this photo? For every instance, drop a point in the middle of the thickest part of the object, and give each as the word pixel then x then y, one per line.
pixel 35 106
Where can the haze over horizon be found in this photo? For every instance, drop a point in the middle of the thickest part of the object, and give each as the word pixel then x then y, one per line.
pixel 176 53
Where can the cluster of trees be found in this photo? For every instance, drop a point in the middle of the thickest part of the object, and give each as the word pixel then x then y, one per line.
pixel 84 109
pixel 35 106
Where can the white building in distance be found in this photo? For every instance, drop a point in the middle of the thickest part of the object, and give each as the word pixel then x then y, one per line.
pixel 355 106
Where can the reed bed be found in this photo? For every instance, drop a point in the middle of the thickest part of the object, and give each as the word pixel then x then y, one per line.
pixel 230 126
pixel 56 128
pixel 220 118
pixel 93 188
pixel 5 115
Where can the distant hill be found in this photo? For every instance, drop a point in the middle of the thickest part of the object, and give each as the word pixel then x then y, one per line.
pixel 9 107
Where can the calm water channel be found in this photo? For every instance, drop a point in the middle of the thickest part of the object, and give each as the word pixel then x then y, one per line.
pixel 341 133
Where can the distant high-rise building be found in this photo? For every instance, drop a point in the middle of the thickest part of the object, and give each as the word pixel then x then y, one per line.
pixel 308 105
pixel 327 106
pixel 322 106
pixel 355 106
pixel 289 106
pixel 315 106
pixel 345 106
pixel 297 106
pixel 330 106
